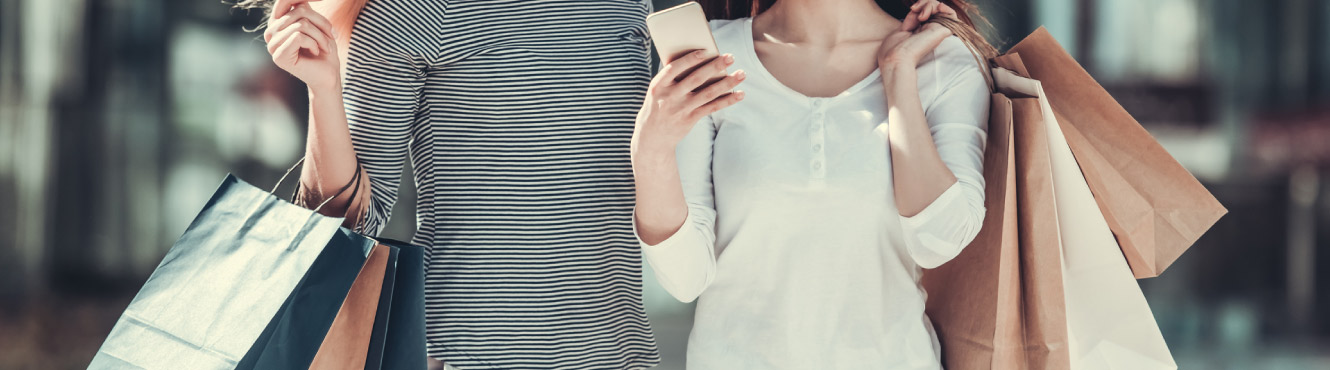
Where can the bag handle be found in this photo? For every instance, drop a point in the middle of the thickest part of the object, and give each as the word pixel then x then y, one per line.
pixel 355 182
pixel 983 51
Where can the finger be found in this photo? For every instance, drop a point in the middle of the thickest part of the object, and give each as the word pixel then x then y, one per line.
pixel 306 27
pixel 917 4
pixel 699 76
pixel 946 10
pixel 927 11
pixel 280 36
pixel 308 43
pixel 318 20
pixel 911 21
pixel 302 13
pixel 286 34
pixel 286 52
pixel 715 105
pixel 281 7
pixel 673 69
pixel 934 33
pixel 714 91
pixel 324 41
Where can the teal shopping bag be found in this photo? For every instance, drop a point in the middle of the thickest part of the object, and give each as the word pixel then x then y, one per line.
pixel 220 284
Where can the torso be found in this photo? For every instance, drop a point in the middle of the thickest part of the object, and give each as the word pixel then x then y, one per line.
pixel 812 270
pixel 519 151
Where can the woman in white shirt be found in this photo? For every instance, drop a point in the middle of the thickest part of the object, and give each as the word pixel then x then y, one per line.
pixel 800 208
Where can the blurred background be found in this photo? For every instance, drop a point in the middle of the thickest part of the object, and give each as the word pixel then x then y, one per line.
pixel 118 118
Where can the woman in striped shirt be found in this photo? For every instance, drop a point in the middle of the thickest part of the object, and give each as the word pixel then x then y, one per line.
pixel 516 116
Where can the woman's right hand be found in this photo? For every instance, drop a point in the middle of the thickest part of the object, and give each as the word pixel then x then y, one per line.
pixel 300 41
pixel 676 99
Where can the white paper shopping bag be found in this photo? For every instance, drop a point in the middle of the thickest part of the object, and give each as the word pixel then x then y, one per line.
pixel 1109 323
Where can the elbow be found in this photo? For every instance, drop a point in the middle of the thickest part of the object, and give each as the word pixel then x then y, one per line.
pixel 932 249
pixel 688 291
pixel 684 294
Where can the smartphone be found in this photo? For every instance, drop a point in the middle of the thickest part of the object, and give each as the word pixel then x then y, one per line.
pixel 679 30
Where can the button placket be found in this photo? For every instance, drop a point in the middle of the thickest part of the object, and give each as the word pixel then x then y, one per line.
pixel 817 142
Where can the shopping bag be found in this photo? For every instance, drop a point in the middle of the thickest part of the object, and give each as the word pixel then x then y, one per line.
pixel 973 299
pixel 347 344
pixel 398 342
pixel 999 303
pixel 326 323
pixel 1043 312
pixel 294 335
pixel 220 284
pixel 1109 323
pixel 1154 207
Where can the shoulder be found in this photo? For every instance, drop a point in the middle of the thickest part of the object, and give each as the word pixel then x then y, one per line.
pixel 952 59
pixel 396 27
pixel 953 53
pixel 720 25
pixel 728 32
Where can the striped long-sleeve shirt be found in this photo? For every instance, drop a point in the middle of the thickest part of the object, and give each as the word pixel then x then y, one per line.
pixel 516 116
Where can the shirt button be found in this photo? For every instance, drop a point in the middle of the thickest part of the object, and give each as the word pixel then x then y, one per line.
pixel 817 148
pixel 817 165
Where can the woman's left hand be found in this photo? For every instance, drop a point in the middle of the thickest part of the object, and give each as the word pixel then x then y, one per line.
pixel 906 46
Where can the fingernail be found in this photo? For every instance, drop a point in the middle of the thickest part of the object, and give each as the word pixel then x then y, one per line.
pixel 740 75
pixel 739 93
pixel 729 58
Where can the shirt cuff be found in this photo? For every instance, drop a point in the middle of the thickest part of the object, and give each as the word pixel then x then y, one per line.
pixel 922 239
pixel 664 247
pixel 683 262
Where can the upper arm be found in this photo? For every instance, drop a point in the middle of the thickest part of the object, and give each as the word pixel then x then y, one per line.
pixel 958 113
pixel 390 49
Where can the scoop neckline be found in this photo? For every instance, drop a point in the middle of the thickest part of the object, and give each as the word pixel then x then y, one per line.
pixel 750 49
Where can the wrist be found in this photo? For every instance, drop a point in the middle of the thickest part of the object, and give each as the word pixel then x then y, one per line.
pixel 899 73
pixel 897 67
pixel 651 151
pixel 325 90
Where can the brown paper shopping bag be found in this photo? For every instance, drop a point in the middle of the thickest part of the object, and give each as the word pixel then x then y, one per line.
pixel 1108 321
pixel 973 299
pixel 347 343
pixel 999 304
pixel 1154 207
pixel 1043 309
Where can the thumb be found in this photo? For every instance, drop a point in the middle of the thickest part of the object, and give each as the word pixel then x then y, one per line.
pixel 911 22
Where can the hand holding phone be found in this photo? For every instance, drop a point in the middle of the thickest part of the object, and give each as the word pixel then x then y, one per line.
pixel 692 82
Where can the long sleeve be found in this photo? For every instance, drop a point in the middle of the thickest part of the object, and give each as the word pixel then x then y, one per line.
pixel 958 120
pixel 685 263
pixel 384 79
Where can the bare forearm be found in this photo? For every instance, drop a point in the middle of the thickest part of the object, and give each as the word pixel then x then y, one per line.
pixel 330 159
pixel 919 173
pixel 661 209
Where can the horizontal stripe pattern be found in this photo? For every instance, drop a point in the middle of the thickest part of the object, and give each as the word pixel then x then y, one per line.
pixel 516 116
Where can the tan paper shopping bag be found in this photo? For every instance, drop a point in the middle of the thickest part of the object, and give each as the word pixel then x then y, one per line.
pixel 1108 321
pixel 1154 207
pixel 973 300
pixel 1044 319
pixel 998 305
pixel 347 343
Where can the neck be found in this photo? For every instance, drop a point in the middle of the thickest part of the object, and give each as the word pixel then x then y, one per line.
pixel 824 21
